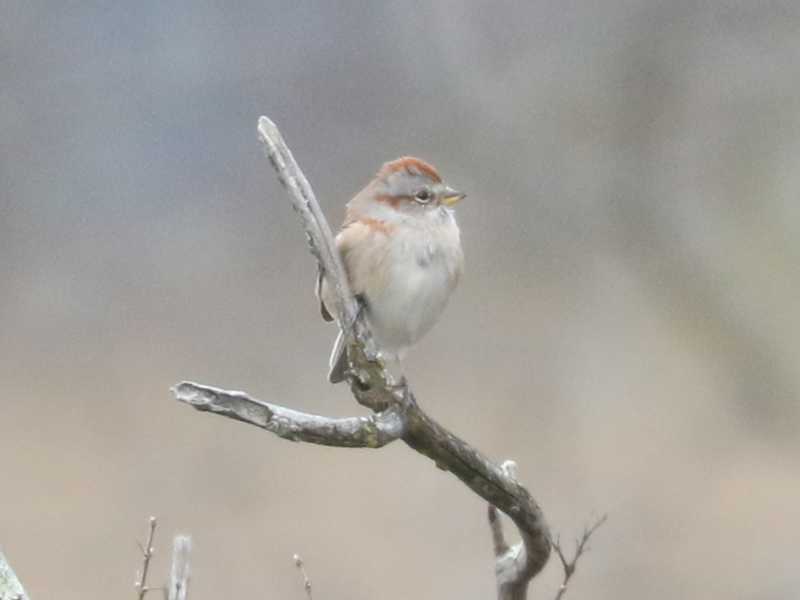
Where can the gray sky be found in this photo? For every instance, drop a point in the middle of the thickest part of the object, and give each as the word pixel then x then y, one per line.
pixel 626 330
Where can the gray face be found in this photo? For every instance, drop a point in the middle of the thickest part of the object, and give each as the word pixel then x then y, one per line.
pixel 421 192
pixel 411 185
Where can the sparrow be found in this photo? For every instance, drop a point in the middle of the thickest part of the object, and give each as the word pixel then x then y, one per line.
pixel 401 249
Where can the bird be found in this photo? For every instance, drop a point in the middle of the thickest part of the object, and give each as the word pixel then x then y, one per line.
pixel 401 249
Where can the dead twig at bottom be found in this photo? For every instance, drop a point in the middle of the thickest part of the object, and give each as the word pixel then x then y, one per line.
pixel 147 554
pixel 570 565
pixel 298 562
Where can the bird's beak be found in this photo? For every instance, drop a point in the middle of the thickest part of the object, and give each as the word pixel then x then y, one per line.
pixel 451 197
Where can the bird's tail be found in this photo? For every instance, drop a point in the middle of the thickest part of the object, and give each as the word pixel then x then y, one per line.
pixel 338 360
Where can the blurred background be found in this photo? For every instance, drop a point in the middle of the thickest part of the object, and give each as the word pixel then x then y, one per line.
pixel 627 329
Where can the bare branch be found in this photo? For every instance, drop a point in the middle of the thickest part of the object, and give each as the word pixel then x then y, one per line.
pixel 147 554
pixel 397 412
pixel 581 546
pixel 10 587
pixel 179 572
pixel 318 232
pixel 298 562
pixel 373 431
pixel 372 380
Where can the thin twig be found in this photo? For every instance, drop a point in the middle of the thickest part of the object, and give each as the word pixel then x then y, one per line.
pixel 581 546
pixel 298 562
pixel 147 554
pixel 498 539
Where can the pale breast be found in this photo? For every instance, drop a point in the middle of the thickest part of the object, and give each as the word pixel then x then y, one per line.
pixel 420 271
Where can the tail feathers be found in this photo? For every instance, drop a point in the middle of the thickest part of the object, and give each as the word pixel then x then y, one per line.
pixel 318 290
pixel 338 361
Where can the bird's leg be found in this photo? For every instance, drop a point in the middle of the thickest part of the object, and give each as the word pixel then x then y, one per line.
pixel 361 315
pixel 362 306
pixel 401 390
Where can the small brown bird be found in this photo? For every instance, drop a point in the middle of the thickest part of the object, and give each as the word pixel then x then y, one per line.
pixel 401 248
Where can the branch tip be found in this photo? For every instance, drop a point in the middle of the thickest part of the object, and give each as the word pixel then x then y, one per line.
pixel 298 562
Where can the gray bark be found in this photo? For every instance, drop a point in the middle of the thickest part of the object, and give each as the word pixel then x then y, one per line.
pixel 372 431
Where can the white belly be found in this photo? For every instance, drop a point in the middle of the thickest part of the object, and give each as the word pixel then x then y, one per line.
pixel 417 284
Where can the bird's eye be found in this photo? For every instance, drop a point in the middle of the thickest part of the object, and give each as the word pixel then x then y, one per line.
pixel 423 196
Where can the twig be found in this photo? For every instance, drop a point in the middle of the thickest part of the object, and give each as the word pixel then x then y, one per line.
pixel 569 566
pixel 298 562
pixel 179 572
pixel 498 539
pixel 147 554
pixel 10 586
pixel 397 411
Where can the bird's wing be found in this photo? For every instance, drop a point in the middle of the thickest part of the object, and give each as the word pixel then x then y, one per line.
pixel 349 239
pixel 363 246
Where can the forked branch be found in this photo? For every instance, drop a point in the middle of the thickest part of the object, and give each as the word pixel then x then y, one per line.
pixel 570 564
pixel 396 414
